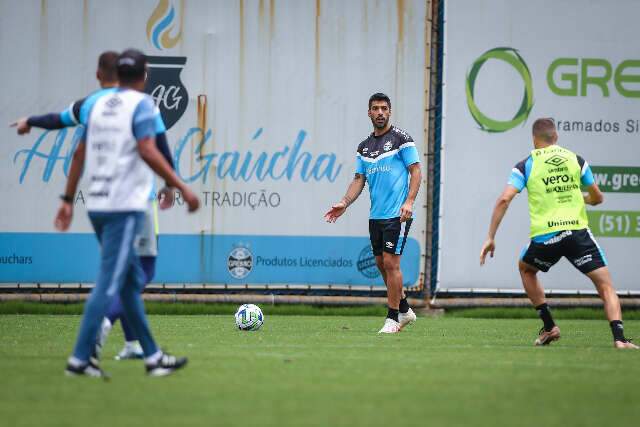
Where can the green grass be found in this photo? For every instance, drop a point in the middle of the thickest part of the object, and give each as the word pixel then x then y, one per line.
pixel 327 371
pixel 28 307
pixel 529 313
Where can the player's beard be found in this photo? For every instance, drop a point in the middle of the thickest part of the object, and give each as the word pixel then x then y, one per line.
pixel 380 124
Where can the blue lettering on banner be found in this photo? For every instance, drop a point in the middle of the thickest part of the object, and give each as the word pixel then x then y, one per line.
pixel 52 156
pixel 290 162
pixel 204 259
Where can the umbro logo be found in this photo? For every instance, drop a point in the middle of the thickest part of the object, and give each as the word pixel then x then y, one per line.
pixel 114 102
pixel 389 245
pixel 556 160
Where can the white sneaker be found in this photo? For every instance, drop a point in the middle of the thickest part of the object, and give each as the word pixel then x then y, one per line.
pixel 390 327
pixel 406 318
pixel 131 350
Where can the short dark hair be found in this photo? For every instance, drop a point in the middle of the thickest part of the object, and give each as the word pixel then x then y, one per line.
pixel 379 97
pixel 544 128
pixel 107 65
pixel 132 66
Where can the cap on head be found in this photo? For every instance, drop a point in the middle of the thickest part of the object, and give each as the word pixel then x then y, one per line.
pixel 132 66
pixel 379 97
pixel 544 129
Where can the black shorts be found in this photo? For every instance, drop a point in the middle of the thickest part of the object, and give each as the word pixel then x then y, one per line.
pixel 578 246
pixel 388 235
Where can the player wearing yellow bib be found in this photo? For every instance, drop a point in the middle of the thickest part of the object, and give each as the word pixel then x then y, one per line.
pixel 559 226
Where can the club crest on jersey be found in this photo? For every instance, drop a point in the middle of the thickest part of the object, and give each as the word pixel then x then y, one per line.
pixel 387 146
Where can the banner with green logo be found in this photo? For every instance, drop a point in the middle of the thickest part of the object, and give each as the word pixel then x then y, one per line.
pixel 505 65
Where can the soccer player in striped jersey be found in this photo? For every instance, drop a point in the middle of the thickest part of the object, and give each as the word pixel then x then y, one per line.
pixel 388 161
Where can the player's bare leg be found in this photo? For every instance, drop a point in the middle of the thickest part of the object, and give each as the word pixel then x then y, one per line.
pixel 380 265
pixel 406 316
pixel 601 278
pixel 389 265
pixel 532 286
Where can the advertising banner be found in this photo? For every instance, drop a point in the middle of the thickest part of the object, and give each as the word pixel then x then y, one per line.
pixel 265 104
pixel 508 63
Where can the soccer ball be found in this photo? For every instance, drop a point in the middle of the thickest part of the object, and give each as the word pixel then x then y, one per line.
pixel 249 317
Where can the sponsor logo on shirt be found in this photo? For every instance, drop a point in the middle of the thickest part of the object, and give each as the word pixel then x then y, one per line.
pixel 561 223
pixel 377 169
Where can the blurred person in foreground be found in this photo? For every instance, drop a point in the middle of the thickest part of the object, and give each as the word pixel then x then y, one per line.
pixel 147 243
pixel 120 152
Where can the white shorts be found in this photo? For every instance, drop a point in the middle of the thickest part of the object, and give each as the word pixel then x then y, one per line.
pixel 146 243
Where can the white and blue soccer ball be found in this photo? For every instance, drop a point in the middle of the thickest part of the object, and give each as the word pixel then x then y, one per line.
pixel 249 317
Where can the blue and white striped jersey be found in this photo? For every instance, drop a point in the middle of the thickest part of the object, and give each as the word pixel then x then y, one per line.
pixel 384 161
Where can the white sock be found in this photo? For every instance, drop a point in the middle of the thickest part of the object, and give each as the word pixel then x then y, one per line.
pixel 105 329
pixel 154 358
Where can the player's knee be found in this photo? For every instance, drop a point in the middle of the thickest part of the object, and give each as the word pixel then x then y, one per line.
pixel 391 265
pixel 526 269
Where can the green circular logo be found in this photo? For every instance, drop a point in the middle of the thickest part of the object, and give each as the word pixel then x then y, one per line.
pixel 513 58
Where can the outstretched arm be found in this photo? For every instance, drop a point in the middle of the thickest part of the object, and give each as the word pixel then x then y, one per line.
pixel 353 191
pixel 406 210
pixel 502 204
pixel 51 121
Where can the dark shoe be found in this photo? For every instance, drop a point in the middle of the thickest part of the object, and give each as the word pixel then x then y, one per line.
pixel 90 369
pixel 547 337
pixel 166 365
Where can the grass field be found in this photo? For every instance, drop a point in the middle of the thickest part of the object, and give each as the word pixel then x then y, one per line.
pixel 327 371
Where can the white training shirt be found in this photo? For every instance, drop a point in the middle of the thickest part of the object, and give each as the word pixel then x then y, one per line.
pixel 119 179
